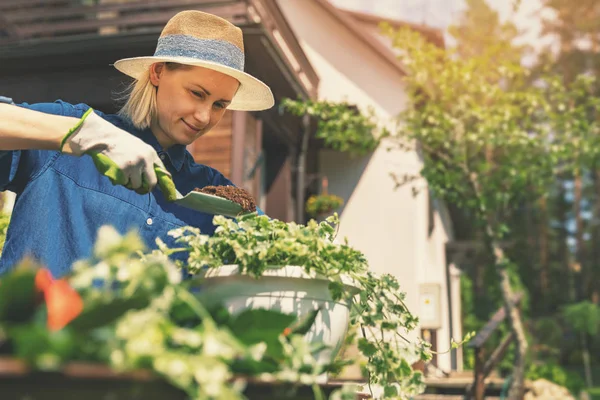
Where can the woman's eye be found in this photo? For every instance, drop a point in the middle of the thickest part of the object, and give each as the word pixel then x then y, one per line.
pixel 198 94
pixel 219 105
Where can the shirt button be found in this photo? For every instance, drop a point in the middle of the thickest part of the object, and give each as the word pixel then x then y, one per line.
pixel 162 156
pixel 149 221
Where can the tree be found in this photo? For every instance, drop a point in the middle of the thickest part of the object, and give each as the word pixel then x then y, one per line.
pixel 488 143
pixel 584 318
pixel 480 31
pixel 576 29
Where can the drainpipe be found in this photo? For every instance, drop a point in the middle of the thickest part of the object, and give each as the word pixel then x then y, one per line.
pixel 301 168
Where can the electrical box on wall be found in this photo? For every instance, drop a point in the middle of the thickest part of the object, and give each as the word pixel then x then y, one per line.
pixel 430 306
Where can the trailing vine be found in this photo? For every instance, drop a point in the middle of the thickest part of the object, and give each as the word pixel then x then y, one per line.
pixel 341 125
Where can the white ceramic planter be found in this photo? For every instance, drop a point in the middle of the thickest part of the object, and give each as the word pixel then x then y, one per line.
pixel 287 289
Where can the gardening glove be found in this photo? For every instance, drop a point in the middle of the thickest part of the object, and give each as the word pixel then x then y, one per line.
pixel 122 157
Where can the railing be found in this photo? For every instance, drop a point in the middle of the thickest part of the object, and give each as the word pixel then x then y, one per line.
pixel 32 19
pixel 484 367
pixel 98 382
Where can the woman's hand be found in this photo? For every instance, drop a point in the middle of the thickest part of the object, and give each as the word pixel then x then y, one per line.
pixel 122 157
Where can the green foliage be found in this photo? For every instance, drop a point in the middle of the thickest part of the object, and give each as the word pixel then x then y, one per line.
pixel 480 31
pixel 558 375
pixel 17 296
pixel 583 317
pixel 470 322
pixel 257 243
pixel 573 24
pixel 594 393
pixel 138 314
pixel 484 133
pixel 340 125
pixel 491 140
pixel 323 204
pixel 4 221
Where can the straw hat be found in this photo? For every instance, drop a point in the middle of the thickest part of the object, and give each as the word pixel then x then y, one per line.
pixel 205 40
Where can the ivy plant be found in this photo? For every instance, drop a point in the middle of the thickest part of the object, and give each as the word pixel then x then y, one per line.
pixel 256 243
pixel 342 126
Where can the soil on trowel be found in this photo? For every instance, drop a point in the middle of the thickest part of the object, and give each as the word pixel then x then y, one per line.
pixel 235 194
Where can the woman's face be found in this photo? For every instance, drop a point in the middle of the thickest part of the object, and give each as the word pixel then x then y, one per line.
pixel 190 100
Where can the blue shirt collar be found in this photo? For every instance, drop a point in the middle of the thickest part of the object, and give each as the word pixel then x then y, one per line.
pixel 175 153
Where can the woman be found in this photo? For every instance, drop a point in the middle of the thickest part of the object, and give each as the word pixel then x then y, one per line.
pixel 75 169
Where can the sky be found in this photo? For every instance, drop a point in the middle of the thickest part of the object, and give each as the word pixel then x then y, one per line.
pixel 441 13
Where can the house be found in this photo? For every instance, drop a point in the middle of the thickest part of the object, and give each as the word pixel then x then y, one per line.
pixel 400 234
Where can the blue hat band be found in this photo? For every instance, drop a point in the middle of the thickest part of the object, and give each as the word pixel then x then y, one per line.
pixel 217 51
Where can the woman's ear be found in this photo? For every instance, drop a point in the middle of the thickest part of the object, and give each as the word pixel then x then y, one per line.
pixel 156 70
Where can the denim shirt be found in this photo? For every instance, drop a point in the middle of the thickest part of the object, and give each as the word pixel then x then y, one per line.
pixel 63 200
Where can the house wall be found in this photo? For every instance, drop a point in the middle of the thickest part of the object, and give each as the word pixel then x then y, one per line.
pixel 389 225
pixel 214 148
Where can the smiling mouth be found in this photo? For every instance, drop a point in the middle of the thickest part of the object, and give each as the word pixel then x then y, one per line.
pixel 191 126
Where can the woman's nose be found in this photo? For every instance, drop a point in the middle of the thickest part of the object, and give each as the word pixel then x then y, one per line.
pixel 202 115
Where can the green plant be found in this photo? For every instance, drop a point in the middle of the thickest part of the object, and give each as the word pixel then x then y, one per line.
pixel 584 318
pixel 594 393
pixel 256 243
pixel 342 126
pixel 132 311
pixel 4 221
pixel 558 375
pixel 323 204
pixel 129 308
pixel 489 143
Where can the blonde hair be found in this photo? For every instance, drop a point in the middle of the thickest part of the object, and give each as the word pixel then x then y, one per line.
pixel 140 102
pixel 140 99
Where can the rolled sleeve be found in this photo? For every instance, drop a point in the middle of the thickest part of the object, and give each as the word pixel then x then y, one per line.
pixel 17 166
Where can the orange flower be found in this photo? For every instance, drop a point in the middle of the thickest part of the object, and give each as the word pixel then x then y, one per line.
pixel 63 303
pixel 287 331
pixel 43 280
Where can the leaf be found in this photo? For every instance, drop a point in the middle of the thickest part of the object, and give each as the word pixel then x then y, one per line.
pixel 260 325
pixel 18 294
pixel 390 391
pixel 405 368
pixel 37 345
pixel 249 366
pixel 302 326
pixel 105 311
pixel 366 347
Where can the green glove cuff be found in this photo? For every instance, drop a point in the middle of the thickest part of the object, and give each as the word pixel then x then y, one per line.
pixel 107 167
pixel 166 184
pixel 75 128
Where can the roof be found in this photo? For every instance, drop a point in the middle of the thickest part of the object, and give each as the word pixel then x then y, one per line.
pixel 434 35
pixel 349 18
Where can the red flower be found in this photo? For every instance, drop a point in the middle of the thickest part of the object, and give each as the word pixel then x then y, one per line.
pixel 63 303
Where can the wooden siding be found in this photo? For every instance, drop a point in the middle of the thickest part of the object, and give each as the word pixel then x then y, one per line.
pixel 251 175
pixel 214 148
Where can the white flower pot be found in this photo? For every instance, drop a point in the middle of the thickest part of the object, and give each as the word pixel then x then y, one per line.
pixel 286 289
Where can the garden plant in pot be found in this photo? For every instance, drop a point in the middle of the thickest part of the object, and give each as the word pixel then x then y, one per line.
pixel 322 205
pixel 256 262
